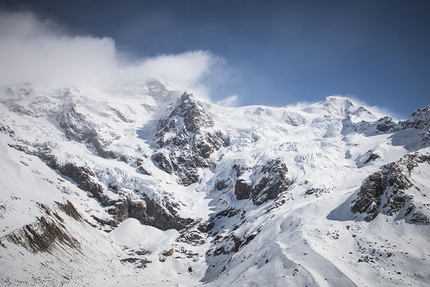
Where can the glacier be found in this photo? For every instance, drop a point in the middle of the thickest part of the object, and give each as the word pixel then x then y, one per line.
pixel 148 185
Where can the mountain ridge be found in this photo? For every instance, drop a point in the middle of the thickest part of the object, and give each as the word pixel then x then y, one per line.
pixel 306 195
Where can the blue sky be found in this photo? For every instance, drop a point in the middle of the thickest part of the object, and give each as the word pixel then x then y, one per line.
pixel 272 52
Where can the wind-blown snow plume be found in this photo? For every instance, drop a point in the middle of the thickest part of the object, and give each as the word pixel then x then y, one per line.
pixel 231 101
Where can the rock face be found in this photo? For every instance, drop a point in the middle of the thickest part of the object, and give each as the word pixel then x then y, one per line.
pixel 163 215
pixel 85 179
pixel 386 124
pixel 419 120
pixel 187 139
pixel 48 232
pixel 266 182
pixel 366 158
pixel 160 214
pixel 80 128
pixel 386 192
pixel 150 212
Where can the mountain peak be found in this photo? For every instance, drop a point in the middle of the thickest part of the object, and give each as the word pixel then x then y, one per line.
pixel 168 187
pixel 337 106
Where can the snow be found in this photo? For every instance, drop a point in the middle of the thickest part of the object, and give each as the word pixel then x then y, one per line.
pixel 301 238
pixel 135 235
pixel 21 184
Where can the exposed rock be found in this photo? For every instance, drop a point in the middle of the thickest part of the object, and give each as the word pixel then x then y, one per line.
pixel 162 162
pixel 366 158
pixel 126 158
pixel 45 234
pixel 80 128
pixel 419 120
pixel 358 127
pixel 187 137
pixel 221 185
pixel 372 157
pixel 205 226
pixel 142 170
pixel 155 89
pixel 70 210
pixel 348 154
pixel 169 252
pixel 242 189
pixel 121 115
pixel 24 148
pixel 193 237
pixel 272 181
pixel 317 191
pixel 259 111
pixel 75 124
pixel 240 169
pixel 385 191
pixel 139 262
pixel 386 124
pixel 85 179
pixel 7 130
pixel 149 212
pixel 233 243
pixel 161 215
pixel 186 145
pixel 294 119
pixel 230 212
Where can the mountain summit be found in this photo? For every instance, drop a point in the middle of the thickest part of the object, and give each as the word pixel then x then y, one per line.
pixel 146 185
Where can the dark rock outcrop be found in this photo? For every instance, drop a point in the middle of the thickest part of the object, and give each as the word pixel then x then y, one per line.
pixel 7 130
pixel 366 158
pixel 266 182
pixel 243 189
pixel 187 139
pixel 162 162
pixel 385 191
pixel 160 214
pixel 47 233
pixel 386 124
pixel 234 244
pixel 419 120
pixel 80 128
pixel 150 212
pixel 85 180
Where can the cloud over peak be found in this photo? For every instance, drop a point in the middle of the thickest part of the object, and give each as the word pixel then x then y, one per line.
pixel 41 51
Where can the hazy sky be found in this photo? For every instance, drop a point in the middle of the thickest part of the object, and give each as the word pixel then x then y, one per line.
pixel 252 52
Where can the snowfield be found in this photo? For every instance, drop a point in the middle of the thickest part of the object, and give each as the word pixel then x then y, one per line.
pixel 148 186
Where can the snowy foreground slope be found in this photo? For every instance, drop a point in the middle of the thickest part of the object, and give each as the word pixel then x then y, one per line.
pixel 149 186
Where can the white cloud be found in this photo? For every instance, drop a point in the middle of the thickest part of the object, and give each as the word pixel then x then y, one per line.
pixel 32 50
pixel 188 69
pixel 38 51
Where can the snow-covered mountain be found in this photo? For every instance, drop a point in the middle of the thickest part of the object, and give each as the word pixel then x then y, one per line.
pixel 148 185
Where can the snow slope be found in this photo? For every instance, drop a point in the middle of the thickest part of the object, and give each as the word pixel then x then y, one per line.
pixel 145 185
